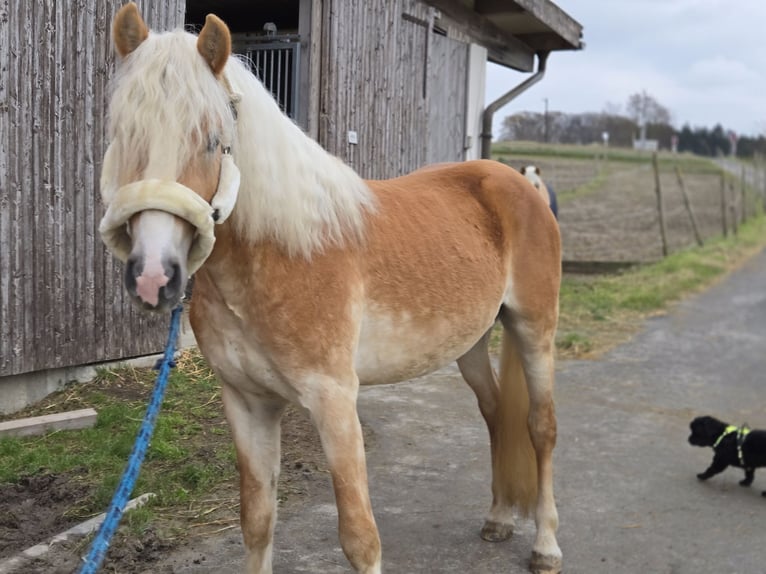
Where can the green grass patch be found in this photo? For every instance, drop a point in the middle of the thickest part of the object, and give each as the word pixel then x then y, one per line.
pixel 190 451
pixel 687 162
pixel 602 309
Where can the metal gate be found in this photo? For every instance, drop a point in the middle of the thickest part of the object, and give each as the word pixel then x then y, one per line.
pixel 275 60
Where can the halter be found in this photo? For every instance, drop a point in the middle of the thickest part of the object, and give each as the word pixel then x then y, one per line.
pixel 171 197
pixel 742 433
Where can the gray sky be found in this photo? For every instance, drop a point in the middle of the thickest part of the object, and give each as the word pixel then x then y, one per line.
pixel 705 60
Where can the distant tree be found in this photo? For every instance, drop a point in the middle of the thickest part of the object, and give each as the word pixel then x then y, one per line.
pixel 645 109
pixel 751 146
pixel 686 139
pixel 587 128
pixel 703 141
pixel 663 133
pixel 620 129
pixel 523 126
pixel 718 141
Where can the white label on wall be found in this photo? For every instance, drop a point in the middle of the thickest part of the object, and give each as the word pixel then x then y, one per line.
pixel 352 138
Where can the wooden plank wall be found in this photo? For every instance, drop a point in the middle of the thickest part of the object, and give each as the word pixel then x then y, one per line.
pixel 447 93
pixel 61 296
pixel 373 63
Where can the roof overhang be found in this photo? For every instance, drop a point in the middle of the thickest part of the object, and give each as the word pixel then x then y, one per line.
pixel 514 30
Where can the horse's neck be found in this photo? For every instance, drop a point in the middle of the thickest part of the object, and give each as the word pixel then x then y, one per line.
pixel 292 191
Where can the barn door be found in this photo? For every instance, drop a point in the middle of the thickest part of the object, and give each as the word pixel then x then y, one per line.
pixel 446 94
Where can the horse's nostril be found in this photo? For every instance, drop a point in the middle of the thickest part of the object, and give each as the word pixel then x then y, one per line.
pixel 133 269
pixel 175 279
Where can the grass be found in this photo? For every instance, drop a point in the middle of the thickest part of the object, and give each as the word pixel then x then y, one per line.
pixel 687 162
pixel 589 187
pixel 190 450
pixel 598 312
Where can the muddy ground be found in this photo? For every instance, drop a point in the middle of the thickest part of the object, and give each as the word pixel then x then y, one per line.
pixel 39 507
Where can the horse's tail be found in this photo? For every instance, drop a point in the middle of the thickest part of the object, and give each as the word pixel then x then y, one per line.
pixel 514 462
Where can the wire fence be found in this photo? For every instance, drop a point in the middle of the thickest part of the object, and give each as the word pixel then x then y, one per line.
pixel 615 216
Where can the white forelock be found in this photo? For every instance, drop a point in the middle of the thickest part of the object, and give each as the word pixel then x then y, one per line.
pixel 166 104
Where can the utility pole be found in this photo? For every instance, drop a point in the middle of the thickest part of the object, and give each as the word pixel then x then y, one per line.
pixel 545 126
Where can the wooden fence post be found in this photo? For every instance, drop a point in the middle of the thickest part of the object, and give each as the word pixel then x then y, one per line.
pixel 660 209
pixel 743 196
pixel 733 208
pixel 723 205
pixel 688 206
pixel 763 174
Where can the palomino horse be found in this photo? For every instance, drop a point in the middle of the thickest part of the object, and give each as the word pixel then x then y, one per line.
pixel 316 281
pixel 533 174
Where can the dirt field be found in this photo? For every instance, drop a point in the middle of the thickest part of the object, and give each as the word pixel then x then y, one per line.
pixel 615 219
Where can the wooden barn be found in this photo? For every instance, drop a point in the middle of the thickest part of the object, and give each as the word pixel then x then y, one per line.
pixel 387 85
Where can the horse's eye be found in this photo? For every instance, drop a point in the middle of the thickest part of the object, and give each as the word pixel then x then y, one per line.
pixel 212 143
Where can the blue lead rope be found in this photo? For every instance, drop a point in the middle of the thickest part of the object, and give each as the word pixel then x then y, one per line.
pixel 100 543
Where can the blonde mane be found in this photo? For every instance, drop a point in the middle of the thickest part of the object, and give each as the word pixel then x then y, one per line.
pixel 292 191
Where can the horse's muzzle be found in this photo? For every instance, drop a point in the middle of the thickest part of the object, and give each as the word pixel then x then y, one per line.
pixel 155 287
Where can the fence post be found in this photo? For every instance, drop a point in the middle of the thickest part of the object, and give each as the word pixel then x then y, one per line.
pixel 723 205
pixel 733 208
pixel 660 209
pixel 688 206
pixel 763 174
pixel 743 196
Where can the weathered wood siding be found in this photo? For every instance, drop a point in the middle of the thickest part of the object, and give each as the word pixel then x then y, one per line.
pixel 61 298
pixel 447 91
pixel 372 69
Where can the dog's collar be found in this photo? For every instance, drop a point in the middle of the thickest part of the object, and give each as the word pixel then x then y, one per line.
pixel 742 432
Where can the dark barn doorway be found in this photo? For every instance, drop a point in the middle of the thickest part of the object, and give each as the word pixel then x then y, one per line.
pixel 267 34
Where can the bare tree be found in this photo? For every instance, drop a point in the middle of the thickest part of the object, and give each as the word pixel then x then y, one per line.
pixel 644 109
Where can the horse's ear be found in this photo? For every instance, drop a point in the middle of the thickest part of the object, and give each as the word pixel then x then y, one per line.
pixel 537 170
pixel 214 43
pixel 128 29
pixel 523 170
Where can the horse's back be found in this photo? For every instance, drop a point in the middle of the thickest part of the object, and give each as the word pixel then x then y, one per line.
pixel 479 205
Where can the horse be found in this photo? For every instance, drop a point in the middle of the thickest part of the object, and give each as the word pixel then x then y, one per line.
pixel 310 281
pixel 533 174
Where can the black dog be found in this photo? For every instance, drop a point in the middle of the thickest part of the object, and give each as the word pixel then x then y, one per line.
pixel 733 446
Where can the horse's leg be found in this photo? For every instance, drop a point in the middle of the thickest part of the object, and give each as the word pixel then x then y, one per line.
pixel 535 334
pixel 332 406
pixel 477 371
pixel 255 425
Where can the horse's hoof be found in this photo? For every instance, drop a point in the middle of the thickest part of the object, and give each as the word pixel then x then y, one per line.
pixel 540 564
pixel 496 531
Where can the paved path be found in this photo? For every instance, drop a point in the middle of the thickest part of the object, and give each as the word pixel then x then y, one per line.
pixel 628 498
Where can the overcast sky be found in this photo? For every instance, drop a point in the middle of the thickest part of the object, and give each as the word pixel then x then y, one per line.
pixel 705 60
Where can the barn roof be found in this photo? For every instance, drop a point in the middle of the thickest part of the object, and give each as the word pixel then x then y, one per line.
pixel 514 30
pixel 511 30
